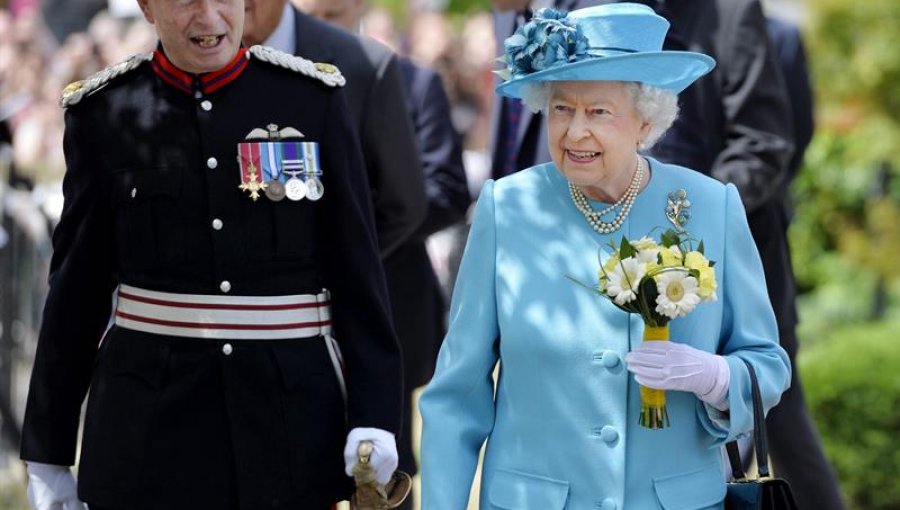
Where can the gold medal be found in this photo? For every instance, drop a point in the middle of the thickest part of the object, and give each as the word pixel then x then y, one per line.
pixel 253 185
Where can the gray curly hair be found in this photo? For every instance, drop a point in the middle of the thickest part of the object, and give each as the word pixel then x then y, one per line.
pixel 658 107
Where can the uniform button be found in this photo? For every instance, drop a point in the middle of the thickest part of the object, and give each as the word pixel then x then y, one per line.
pixel 133 192
pixel 608 504
pixel 609 434
pixel 206 105
pixel 217 224
pixel 212 162
pixel 225 286
pixel 198 94
pixel 611 359
pixel 227 349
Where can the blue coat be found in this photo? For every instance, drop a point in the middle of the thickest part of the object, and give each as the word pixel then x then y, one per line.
pixel 563 428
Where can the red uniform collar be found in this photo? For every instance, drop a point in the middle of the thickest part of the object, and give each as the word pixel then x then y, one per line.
pixel 206 83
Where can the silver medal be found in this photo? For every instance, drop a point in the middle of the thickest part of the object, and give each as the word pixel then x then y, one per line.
pixel 295 189
pixel 314 188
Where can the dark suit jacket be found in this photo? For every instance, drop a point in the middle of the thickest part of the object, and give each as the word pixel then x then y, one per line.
pixel 414 290
pixel 377 103
pixel 788 47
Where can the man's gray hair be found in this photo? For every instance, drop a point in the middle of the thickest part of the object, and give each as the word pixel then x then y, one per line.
pixel 658 107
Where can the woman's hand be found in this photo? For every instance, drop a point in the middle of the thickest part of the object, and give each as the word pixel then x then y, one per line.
pixel 680 367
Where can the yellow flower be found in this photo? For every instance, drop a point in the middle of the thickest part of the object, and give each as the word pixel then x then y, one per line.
pixel 608 267
pixel 671 256
pixel 707 280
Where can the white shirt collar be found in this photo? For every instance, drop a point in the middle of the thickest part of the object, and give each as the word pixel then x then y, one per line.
pixel 284 38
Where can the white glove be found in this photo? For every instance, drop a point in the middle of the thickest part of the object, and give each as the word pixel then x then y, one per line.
pixel 384 455
pixel 52 487
pixel 680 367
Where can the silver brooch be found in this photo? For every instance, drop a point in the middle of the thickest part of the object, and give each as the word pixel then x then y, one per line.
pixel 678 209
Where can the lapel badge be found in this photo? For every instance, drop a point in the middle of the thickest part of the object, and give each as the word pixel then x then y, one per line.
pixel 678 209
pixel 274 161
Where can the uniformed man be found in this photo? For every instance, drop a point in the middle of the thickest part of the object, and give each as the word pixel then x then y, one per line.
pixel 219 190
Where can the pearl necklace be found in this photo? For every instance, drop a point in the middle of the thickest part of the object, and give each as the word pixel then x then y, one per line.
pixel 626 201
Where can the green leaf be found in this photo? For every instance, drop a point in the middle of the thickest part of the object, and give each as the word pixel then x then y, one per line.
pixel 626 249
pixel 670 238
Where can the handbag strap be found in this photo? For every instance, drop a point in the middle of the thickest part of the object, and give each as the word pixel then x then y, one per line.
pixel 759 434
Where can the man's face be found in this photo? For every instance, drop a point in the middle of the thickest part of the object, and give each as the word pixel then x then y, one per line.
pixel 199 36
pixel 262 18
pixel 343 13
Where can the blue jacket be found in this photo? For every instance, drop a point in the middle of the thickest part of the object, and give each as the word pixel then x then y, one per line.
pixel 562 427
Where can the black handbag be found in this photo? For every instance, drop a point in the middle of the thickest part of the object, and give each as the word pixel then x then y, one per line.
pixel 764 492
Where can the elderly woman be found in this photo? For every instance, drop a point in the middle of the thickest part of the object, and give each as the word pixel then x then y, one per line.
pixel 562 423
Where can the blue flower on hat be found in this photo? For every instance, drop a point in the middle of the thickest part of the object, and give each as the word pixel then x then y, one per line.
pixel 549 40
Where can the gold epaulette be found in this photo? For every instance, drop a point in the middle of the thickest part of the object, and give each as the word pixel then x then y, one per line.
pixel 74 91
pixel 327 73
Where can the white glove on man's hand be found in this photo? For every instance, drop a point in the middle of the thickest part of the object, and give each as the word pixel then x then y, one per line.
pixel 384 455
pixel 676 366
pixel 52 487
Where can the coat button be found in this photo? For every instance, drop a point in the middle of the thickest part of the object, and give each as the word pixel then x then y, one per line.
pixel 608 504
pixel 217 224
pixel 206 105
pixel 212 162
pixel 225 286
pixel 611 359
pixel 608 434
pixel 133 192
pixel 227 349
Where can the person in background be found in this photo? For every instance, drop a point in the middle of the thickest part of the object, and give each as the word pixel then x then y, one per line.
pixel 218 384
pixel 794 443
pixel 562 422
pixel 374 92
pixel 416 299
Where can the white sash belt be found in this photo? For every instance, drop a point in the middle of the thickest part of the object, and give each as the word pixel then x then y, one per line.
pixel 224 317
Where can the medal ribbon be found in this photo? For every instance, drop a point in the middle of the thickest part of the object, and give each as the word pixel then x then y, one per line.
pixel 311 157
pixel 249 153
pixel 291 159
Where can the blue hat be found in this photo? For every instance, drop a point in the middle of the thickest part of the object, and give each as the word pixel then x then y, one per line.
pixel 612 42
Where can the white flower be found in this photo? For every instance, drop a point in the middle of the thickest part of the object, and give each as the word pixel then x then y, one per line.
pixel 624 280
pixel 677 293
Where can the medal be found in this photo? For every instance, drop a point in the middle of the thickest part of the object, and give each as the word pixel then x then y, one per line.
pixel 295 189
pixel 275 191
pixel 252 185
pixel 314 188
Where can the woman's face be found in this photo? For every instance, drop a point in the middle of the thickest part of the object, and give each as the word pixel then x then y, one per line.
pixel 593 133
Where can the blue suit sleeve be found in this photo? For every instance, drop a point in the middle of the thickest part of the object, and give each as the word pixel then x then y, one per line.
pixel 749 330
pixel 458 405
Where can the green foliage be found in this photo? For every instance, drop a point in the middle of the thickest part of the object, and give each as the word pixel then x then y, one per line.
pixel 12 496
pixel 853 390
pixel 845 237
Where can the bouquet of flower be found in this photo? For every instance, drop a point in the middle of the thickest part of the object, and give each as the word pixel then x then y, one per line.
pixel 658 281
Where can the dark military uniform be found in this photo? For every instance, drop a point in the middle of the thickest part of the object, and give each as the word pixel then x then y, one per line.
pixel 152 200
